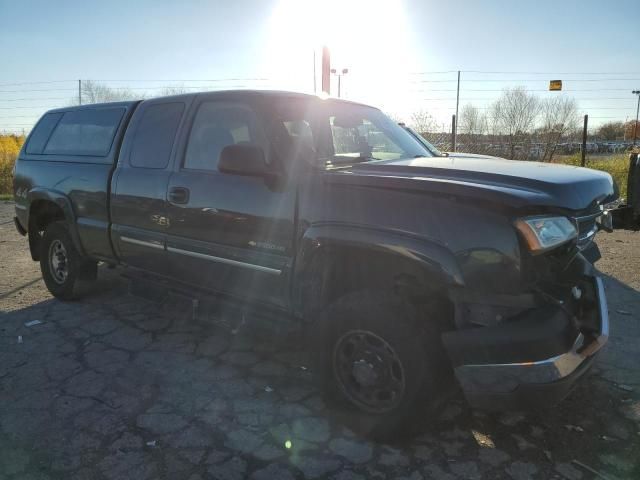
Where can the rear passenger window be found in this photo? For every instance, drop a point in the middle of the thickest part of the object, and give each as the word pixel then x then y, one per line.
pixel 217 125
pixel 154 137
pixel 42 132
pixel 87 132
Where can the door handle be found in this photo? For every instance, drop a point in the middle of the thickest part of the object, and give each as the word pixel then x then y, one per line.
pixel 179 195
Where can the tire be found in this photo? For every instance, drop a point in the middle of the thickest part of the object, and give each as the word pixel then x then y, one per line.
pixel 61 265
pixel 367 338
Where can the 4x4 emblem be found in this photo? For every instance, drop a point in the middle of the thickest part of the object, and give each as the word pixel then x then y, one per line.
pixel 160 220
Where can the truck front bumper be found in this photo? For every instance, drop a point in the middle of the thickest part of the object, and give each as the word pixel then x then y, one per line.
pixel 534 382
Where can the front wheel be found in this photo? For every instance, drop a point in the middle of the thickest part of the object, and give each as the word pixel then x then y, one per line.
pixel 381 364
pixel 61 265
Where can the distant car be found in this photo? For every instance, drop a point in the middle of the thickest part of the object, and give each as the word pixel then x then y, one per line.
pixel 429 146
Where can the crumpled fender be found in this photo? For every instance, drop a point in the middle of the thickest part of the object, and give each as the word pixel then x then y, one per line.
pixel 430 255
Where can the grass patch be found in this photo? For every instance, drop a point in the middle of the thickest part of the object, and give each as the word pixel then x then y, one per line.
pixel 615 165
pixel 6 196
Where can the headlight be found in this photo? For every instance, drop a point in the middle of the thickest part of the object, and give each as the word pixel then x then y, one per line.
pixel 543 233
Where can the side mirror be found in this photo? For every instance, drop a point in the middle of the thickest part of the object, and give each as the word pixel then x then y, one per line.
pixel 243 160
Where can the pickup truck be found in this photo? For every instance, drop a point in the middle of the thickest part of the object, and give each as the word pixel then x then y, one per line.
pixel 414 274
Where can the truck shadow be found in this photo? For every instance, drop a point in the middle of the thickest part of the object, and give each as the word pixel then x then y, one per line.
pixel 114 367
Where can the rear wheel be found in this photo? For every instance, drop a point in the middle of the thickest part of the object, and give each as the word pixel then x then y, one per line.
pixel 61 265
pixel 380 363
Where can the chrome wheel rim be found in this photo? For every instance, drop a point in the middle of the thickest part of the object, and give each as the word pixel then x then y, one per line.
pixel 58 261
pixel 368 371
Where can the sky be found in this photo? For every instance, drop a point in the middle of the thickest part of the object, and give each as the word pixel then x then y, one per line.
pixel 402 55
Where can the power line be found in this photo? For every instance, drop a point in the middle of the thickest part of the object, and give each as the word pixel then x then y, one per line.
pixel 22 107
pixel 35 83
pixel 427 72
pixel 32 99
pixel 45 90
pixel 127 88
pixel 483 80
pixel 583 99
pixel 590 109
pixel 543 73
pixel 235 79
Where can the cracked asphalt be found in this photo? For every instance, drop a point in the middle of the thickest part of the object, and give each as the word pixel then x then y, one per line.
pixel 118 387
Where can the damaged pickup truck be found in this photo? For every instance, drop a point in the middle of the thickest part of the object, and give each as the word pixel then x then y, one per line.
pixel 414 273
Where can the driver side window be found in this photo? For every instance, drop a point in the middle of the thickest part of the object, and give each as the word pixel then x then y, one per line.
pixel 216 126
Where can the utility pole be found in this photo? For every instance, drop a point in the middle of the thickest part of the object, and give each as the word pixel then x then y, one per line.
pixel 455 134
pixel 584 141
pixel 79 92
pixel 635 125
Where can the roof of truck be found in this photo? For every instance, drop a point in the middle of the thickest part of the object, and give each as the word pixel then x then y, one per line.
pixel 274 94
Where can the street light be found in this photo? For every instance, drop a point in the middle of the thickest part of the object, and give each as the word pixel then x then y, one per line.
pixel 343 72
pixel 635 125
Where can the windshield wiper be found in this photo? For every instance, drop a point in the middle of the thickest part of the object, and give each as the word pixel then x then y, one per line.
pixel 361 158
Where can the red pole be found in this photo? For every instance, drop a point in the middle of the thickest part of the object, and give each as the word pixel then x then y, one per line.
pixel 326 70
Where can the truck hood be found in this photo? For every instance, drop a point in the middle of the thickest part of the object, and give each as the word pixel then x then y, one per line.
pixel 509 182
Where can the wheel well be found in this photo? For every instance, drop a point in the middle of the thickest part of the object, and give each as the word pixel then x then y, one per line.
pixel 338 271
pixel 41 214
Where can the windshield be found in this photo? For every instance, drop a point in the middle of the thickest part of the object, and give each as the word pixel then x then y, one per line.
pixel 331 132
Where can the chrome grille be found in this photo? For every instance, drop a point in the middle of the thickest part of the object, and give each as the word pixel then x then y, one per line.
pixel 587 229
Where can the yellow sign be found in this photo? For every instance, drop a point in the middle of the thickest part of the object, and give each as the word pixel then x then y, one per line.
pixel 555 85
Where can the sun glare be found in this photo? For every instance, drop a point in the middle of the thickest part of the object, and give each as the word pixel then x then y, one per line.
pixel 369 37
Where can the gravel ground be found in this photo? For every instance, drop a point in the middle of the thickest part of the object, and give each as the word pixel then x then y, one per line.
pixel 115 387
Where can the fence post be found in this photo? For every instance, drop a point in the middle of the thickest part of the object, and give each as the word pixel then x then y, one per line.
pixel 455 127
pixel 453 133
pixel 584 141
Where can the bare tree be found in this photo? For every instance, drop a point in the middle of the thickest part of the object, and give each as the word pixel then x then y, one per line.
pixel 422 122
pixel 559 117
pixel 514 115
pixel 96 92
pixel 630 128
pixel 169 91
pixel 611 131
pixel 473 125
pixel 396 117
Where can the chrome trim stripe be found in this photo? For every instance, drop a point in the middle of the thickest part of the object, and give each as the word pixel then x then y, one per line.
pixel 589 234
pixel 142 243
pixel 604 312
pixel 20 207
pixel 227 261
pixel 506 377
pixel 586 218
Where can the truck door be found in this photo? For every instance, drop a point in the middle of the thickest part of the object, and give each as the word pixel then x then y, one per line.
pixel 228 233
pixel 139 186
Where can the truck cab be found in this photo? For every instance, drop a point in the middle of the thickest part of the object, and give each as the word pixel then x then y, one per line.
pixel 412 272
